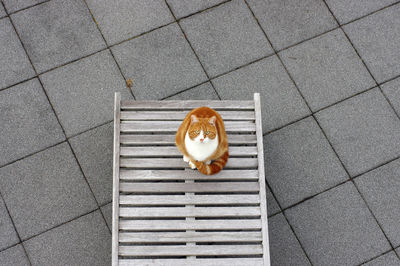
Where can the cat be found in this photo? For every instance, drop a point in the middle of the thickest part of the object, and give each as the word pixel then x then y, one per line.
pixel 202 140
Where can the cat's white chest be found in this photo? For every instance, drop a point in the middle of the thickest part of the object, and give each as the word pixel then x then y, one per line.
pixel 200 151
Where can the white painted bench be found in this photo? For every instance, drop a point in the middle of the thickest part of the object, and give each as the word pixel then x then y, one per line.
pixel 165 213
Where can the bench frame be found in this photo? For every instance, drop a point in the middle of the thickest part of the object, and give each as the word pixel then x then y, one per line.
pixel 116 179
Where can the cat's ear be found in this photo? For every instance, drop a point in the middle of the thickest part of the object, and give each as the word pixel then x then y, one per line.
pixel 212 120
pixel 193 119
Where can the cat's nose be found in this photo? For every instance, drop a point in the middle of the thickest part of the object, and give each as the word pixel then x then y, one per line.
pixel 201 140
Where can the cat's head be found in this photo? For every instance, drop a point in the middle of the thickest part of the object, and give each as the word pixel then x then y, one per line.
pixel 202 130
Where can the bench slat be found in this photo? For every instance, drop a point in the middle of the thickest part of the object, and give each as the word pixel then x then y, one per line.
pixel 190 250
pixel 195 262
pixel 182 237
pixel 215 224
pixel 152 175
pixel 186 105
pixel 170 139
pixel 180 115
pixel 190 187
pixel 188 199
pixel 151 212
pixel 173 151
pixel 179 163
pixel 172 126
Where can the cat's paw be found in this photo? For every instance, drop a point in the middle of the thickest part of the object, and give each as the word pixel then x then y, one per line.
pixel 208 162
pixel 186 159
pixel 192 165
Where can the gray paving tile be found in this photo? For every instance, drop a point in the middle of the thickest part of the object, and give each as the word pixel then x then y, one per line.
pixel 107 212
pixel 15 5
pixel 281 103
pixel 288 22
pixel 183 8
pixel 27 121
pixel 300 163
pixel 380 189
pixel 2 11
pixel 346 11
pixel 164 63
pixel 8 236
pixel 284 247
pixel 82 93
pixel 389 259
pixel 377 39
pixel 84 241
pixel 336 228
pixel 392 91
pixel 57 32
pixel 201 92
pixel 363 130
pixel 272 207
pixel 226 37
pixel 398 251
pixel 14 256
pixel 327 69
pixel 14 64
pixel 94 150
pixel 124 19
pixel 45 190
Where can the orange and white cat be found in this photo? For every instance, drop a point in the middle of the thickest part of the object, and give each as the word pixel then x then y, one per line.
pixel 202 140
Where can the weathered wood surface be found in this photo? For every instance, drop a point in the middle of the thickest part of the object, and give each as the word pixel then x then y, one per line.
pixel 153 175
pixel 180 115
pixel 170 139
pixel 139 200
pixel 190 250
pixel 172 126
pixel 179 163
pixel 197 262
pixel 161 204
pixel 168 225
pixel 174 152
pixel 186 105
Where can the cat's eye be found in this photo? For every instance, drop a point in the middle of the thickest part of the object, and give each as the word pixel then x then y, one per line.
pixel 207 132
pixel 197 132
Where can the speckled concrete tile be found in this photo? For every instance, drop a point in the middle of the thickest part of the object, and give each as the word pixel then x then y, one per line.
pixel 226 37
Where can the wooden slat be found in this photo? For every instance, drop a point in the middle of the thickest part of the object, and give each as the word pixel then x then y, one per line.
pixel 186 105
pixel 170 139
pixel 140 200
pixel 172 126
pixel 217 224
pixel 179 163
pixel 151 212
pixel 115 204
pixel 180 115
pixel 174 152
pixel 196 262
pixel 197 250
pixel 152 175
pixel 190 187
pixel 182 237
pixel 263 196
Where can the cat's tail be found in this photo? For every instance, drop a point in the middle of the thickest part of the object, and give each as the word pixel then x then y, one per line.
pixel 214 167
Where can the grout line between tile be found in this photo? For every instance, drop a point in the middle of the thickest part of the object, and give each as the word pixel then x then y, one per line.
pixel 108 47
pixel 352 180
pixel 384 253
pixel 55 113
pixel 194 52
pixel 348 174
pixel 15 229
pixel 362 60
pixel 22 9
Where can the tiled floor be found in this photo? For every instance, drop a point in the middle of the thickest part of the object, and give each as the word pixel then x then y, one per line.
pixel 329 76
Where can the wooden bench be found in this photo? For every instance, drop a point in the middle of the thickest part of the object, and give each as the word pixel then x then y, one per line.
pixel 165 213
